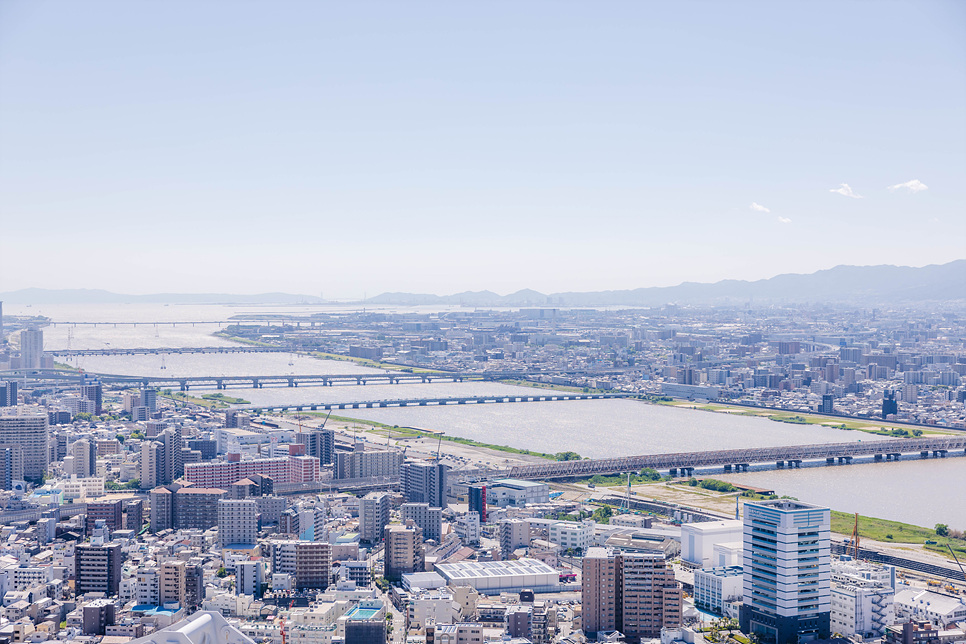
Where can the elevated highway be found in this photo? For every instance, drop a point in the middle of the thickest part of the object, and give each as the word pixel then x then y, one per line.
pixel 149 351
pixel 425 402
pixel 184 383
pixel 735 459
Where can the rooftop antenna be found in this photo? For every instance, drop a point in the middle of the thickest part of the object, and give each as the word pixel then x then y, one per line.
pixel 737 506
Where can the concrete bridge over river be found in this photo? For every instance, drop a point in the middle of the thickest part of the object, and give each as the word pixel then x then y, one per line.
pixel 426 402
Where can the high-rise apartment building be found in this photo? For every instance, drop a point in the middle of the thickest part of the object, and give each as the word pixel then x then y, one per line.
pixel 30 431
pixel 373 516
pixel 787 570
pixel 650 596
pixel 162 507
pixel 632 592
pixel 428 518
pixel 111 512
pixel 319 443
pixel 309 561
pixel 8 393
pixel 84 452
pixel 31 348
pixel 404 551
pixel 149 399
pixel 134 515
pixel 514 533
pixel 360 464
pixel 237 522
pixel 11 465
pixel 92 390
pixel 599 598
pixel 182 582
pixel 97 568
pixel 422 482
pixel 196 507
pixel 174 506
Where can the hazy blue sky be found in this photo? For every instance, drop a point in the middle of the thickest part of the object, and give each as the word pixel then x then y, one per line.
pixel 352 147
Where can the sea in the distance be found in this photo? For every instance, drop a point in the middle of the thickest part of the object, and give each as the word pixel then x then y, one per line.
pixel 923 492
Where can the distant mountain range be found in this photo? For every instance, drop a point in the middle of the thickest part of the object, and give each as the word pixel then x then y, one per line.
pixel 859 284
pixel 839 284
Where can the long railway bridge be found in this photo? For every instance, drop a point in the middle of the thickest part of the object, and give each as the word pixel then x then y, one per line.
pixel 735 459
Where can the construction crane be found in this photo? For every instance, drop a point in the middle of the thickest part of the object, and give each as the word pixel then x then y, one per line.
pixel 953 553
pixel 854 546
pixel 439 446
pixel 282 620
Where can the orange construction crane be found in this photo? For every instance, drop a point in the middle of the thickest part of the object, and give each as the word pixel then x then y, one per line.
pixel 854 546
pixel 282 620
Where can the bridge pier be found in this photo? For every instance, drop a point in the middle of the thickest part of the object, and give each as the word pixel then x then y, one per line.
pixel 184 386
pixel 291 382
pixel 219 384
pixel 779 464
pixel 727 468
pixel 255 383
pixel 673 472
pixel 687 471
pixel 795 462
pixel 845 459
pixel 924 454
pixel 939 453
pixel 742 467
pixel 830 461
pixel 877 458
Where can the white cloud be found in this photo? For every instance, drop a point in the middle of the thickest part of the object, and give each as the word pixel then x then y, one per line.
pixel 846 190
pixel 759 207
pixel 912 186
pixel 784 220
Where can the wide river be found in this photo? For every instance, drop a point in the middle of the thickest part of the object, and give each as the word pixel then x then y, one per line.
pixel 923 492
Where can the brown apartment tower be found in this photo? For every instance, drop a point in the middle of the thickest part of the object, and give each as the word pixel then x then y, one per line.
pixel 633 592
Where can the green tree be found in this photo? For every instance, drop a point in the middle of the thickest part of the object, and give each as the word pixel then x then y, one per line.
pixel 222 573
pixel 566 456
pixel 603 514
pixel 942 530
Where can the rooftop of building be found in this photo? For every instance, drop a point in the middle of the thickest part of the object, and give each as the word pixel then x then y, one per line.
pixel 516 483
pixel 722 571
pixel 786 505
pixel 360 613
pixel 467 569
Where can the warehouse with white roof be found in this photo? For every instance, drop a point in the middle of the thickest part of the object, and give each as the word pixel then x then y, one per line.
pixel 495 577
